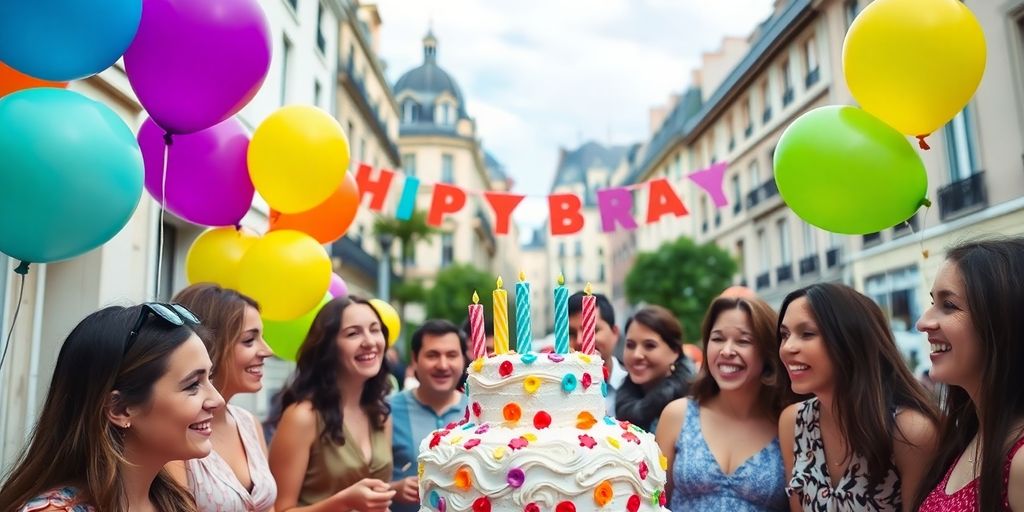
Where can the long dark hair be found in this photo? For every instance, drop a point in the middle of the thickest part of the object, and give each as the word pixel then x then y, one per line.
pixel 775 393
pixel 642 406
pixel 74 442
pixel 870 378
pixel 991 270
pixel 316 374
pixel 222 311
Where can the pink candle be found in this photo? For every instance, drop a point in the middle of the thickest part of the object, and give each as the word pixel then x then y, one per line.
pixel 478 346
pixel 589 321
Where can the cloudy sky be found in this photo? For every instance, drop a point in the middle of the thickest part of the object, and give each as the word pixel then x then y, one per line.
pixel 539 75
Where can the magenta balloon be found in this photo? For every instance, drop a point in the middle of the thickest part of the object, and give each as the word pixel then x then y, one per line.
pixel 207 176
pixel 338 287
pixel 195 63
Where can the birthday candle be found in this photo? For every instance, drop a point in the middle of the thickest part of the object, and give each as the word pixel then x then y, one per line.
pixel 476 328
pixel 524 328
pixel 561 317
pixel 500 297
pixel 589 320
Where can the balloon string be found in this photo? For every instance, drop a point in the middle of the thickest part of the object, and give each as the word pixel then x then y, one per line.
pixel 163 207
pixel 22 270
pixel 924 224
pixel 921 142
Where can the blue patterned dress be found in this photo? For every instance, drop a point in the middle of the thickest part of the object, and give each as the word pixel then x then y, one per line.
pixel 757 485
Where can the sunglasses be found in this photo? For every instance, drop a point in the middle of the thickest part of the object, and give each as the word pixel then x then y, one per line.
pixel 174 314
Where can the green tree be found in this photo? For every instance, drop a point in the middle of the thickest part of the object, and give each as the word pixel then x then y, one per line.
pixel 453 292
pixel 406 232
pixel 683 277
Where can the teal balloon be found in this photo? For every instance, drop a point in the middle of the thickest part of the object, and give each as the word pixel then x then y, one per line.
pixel 285 337
pixel 71 174
pixel 843 170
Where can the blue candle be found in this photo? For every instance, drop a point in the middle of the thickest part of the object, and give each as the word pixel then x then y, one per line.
pixel 524 327
pixel 561 317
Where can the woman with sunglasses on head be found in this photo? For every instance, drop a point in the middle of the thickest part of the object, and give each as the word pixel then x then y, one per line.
pixel 866 438
pixel 236 475
pixel 974 327
pixel 332 448
pixel 130 392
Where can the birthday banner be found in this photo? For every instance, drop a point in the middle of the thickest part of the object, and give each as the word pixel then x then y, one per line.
pixel 565 214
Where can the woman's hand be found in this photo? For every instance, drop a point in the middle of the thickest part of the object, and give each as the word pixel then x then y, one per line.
pixel 367 495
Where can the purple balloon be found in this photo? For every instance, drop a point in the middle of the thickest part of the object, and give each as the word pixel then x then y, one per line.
pixel 207 175
pixel 195 63
pixel 338 287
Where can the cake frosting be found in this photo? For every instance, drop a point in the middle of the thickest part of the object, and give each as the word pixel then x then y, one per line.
pixel 535 438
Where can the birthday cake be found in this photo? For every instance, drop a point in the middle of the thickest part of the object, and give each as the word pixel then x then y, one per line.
pixel 536 439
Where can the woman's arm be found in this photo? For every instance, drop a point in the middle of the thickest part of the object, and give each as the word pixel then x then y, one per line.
pixel 913 450
pixel 1015 487
pixel 787 433
pixel 669 427
pixel 289 456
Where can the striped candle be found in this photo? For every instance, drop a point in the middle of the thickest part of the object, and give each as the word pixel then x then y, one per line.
pixel 589 320
pixel 500 297
pixel 524 327
pixel 561 317
pixel 478 345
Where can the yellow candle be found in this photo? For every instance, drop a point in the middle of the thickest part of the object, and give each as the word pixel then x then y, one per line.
pixel 500 297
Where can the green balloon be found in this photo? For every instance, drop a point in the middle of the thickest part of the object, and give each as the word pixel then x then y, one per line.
pixel 845 171
pixel 285 337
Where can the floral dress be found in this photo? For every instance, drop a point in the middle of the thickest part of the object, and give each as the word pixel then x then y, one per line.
pixel 64 498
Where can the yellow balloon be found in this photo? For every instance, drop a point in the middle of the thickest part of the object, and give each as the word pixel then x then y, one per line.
pixel 214 256
pixel 287 272
pixel 389 316
pixel 297 158
pixel 914 63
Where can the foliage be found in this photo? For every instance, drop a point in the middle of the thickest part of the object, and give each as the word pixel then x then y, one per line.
pixel 683 277
pixel 408 291
pixel 453 292
pixel 406 232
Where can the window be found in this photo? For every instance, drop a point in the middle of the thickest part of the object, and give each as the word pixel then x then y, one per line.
pixel 811 54
pixel 766 101
pixel 286 57
pixel 600 272
pixel 810 240
pixel 960 145
pixel 561 249
pixel 447 249
pixel 748 126
pixel 852 10
pixel 447 169
pixel 321 40
pixel 896 292
pixel 703 214
pixel 362 150
pixel 741 258
pixel 447 114
pixel 294 4
pixel 766 250
pixel 785 254
pixel 737 194
pixel 579 248
pixel 409 164
pixel 755 175
pixel 679 166
pixel 317 93
pixel 787 83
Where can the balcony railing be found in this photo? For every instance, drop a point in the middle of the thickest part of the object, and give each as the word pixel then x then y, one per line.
pixel 764 280
pixel 905 228
pixel 872 239
pixel 962 197
pixel 766 191
pixel 809 265
pixel 784 273
pixel 832 257
pixel 812 77
pixel 353 256
pixel 787 97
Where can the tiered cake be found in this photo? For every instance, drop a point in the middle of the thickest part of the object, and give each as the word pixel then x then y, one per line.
pixel 536 439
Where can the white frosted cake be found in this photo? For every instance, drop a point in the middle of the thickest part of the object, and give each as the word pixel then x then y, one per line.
pixel 536 439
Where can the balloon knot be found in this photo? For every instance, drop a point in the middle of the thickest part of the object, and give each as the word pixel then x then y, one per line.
pixel 238 227
pixel 22 268
pixel 168 139
pixel 921 142
pixel 927 203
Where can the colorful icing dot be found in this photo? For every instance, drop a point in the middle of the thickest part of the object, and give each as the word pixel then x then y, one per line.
pixel 505 368
pixel 530 436
pixel 613 442
pixel 643 470
pixel 583 357
pixel 568 383
pixel 608 420
pixel 555 358
pixel 586 380
pixel 663 462
pixel 631 437
pixel 515 477
pixel 587 441
pixel 435 440
pixel 604 389
pixel 482 429
pixel 476 409
pixel 465 417
pixel 585 420
pixel 482 504
pixel 465 388
pixel 531 384
pixel 512 412
pixel 633 504
pixel 624 424
pixel 469 426
pixel 419 470
pixel 661 497
pixel 434 498
pixel 451 426
pixel 463 480
pixel 607 373
pixel 499 453
pixel 541 420
pixel 478 365
pixel 455 440
pixel 531 507
pixel 529 358
pixel 442 505
pixel 603 493
pixel 656 498
pixel 517 443
pixel 565 506
pixel 471 443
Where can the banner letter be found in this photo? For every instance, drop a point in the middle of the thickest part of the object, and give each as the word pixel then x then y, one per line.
pixel 710 180
pixel 407 204
pixel 662 199
pixel 615 205
pixel 378 188
pixel 503 205
pixel 564 214
pixel 447 199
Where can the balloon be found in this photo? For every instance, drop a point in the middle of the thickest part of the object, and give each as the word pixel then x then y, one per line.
pixel 196 63
pixel 287 272
pixel 389 316
pixel 329 220
pixel 914 64
pixel 843 170
pixel 70 178
pixel 286 337
pixel 207 178
pixel 338 287
pixel 297 158
pixel 11 81
pixel 215 256
pixel 60 40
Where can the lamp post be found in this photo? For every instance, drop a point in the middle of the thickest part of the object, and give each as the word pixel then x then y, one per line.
pixel 384 267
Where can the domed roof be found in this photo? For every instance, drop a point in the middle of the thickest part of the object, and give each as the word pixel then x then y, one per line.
pixel 429 80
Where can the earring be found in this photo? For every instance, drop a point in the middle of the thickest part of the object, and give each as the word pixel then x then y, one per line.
pixel 672 368
pixel 126 425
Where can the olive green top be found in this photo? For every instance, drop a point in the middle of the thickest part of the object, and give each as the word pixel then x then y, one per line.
pixel 333 467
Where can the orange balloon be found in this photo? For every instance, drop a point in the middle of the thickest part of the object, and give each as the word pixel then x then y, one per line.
pixel 11 81
pixel 329 220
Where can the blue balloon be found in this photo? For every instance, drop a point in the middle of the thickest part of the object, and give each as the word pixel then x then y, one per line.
pixel 63 40
pixel 70 177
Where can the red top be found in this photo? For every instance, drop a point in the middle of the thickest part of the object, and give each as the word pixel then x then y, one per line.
pixel 966 499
